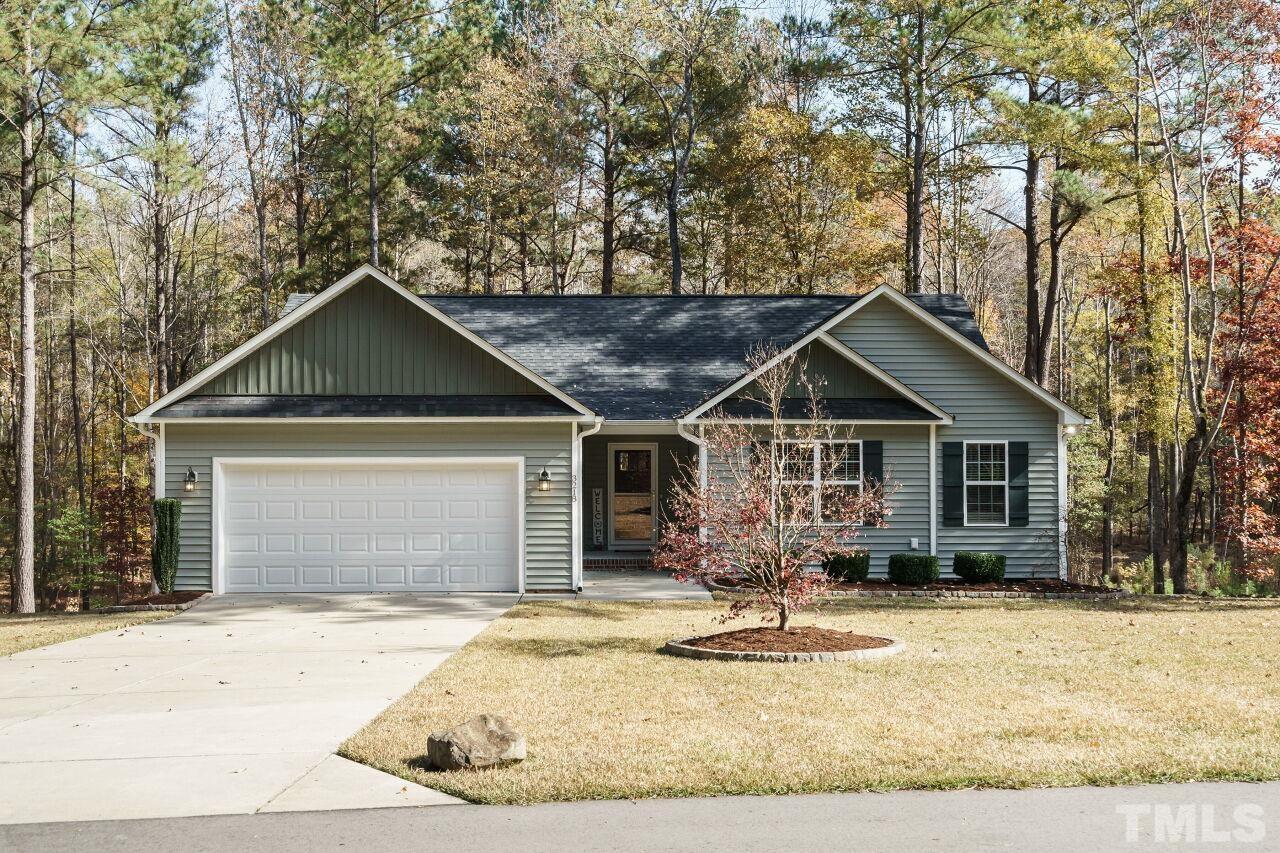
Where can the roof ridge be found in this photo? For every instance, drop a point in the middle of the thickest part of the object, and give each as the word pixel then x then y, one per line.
pixel 620 296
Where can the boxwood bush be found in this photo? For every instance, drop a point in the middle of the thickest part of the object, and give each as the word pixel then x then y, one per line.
pixel 978 566
pixel 913 568
pixel 852 567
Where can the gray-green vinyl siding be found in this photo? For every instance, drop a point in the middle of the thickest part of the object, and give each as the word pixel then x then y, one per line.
pixel 546 515
pixel 595 474
pixel 906 470
pixel 987 407
pixel 369 340
pixel 834 376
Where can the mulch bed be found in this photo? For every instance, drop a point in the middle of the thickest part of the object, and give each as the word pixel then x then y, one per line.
pixel 168 601
pixel 166 598
pixel 804 639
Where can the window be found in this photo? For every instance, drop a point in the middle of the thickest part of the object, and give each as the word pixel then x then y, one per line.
pixel 839 462
pixel 986 483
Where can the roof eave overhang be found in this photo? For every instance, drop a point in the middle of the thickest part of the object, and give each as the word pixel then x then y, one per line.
pixel 838 421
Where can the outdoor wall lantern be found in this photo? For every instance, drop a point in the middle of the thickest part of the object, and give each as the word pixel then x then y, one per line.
pixel 189 481
pixel 544 480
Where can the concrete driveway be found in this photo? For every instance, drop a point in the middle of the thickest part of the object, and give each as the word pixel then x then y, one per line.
pixel 233 707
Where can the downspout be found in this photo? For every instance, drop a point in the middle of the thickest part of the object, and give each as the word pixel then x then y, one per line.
pixel 701 444
pixel 702 449
pixel 576 500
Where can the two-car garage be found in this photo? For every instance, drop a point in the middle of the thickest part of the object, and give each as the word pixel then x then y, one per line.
pixel 368 525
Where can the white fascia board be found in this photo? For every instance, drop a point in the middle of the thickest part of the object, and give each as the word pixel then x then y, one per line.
pixel 551 419
pixel 838 421
pixel 1069 415
pixel 662 427
pixel 317 302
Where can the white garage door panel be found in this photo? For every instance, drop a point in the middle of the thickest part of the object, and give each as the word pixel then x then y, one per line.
pixel 369 527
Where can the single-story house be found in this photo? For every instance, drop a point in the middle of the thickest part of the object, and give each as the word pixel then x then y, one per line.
pixel 372 439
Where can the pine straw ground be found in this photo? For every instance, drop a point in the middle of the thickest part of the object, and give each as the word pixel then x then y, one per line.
pixel 988 693
pixel 21 632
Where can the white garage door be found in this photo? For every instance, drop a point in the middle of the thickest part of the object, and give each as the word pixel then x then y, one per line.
pixel 369 526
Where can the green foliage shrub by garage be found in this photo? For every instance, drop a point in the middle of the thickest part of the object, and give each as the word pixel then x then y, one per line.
pixel 913 568
pixel 165 548
pixel 978 566
pixel 852 567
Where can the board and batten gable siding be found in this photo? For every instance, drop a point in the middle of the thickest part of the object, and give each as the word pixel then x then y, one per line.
pixel 987 407
pixel 369 341
pixel 547 516
pixel 834 375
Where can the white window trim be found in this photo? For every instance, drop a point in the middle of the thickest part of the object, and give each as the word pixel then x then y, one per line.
pixel 816 481
pixel 964 461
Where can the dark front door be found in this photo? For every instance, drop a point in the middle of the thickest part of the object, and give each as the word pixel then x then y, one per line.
pixel 633 491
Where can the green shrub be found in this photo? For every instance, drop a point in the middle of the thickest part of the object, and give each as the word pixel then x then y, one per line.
pixel 165 547
pixel 913 568
pixel 852 567
pixel 978 566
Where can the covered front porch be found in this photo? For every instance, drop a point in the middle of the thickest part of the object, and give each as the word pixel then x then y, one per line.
pixel 626 480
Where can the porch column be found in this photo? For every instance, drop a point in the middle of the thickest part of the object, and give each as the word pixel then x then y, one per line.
pixel 933 489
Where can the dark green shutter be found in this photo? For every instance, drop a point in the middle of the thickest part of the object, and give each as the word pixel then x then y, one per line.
pixel 1018 482
pixel 953 484
pixel 873 461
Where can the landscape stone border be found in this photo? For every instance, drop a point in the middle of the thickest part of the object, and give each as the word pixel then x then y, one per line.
pixel 143 608
pixel 680 648
pixel 951 593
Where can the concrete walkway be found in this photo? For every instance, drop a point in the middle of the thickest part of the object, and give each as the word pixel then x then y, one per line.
pixel 641 585
pixel 235 706
pixel 1219 817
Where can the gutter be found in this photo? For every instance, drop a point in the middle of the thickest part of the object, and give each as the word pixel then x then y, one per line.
pixel 575 525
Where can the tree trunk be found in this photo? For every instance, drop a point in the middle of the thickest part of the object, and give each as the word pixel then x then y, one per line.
pixel 77 421
pixel 1031 248
pixel 673 232
pixel 24 594
pixel 373 195
pixel 1155 517
pixel 918 130
pixel 609 179
pixel 1108 474
pixel 160 250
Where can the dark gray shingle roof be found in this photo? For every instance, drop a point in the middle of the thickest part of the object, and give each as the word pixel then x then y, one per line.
pixel 367 406
pixel 294 301
pixel 653 357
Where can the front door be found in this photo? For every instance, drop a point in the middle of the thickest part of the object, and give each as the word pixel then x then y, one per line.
pixel 633 493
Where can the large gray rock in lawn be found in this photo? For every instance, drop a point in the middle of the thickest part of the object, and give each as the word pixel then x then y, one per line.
pixel 483 741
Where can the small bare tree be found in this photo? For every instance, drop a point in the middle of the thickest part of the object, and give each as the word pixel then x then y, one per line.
pixel 783 492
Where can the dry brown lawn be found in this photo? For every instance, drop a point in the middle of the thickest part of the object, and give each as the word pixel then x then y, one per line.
pixel 21 632
pixel 988 693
